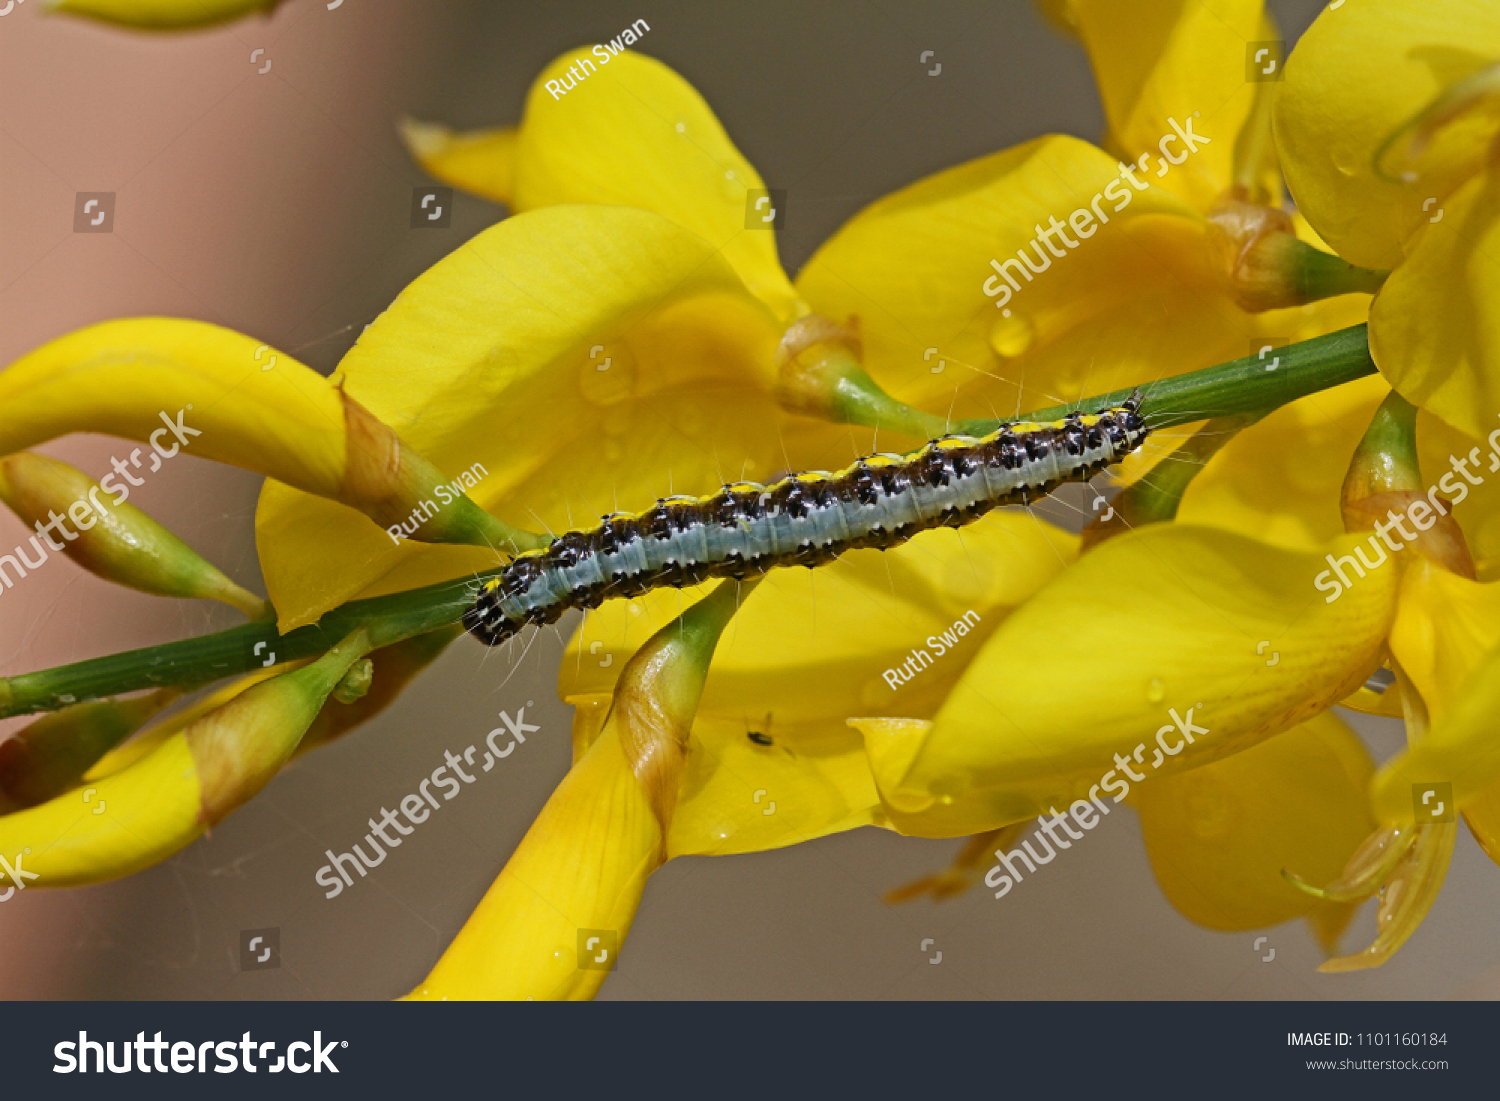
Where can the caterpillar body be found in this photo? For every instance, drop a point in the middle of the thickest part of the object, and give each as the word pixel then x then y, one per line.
pixel 804 519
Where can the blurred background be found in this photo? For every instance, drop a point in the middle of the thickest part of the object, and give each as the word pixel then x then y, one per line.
pixel 271 195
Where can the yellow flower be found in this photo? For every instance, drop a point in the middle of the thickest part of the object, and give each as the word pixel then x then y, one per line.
pixel 1056 269
pixel 151 799
pixel 915 268
pixel 553 923
pixel 1386 129
pixel 1447 642
pixel 180 385
pixel 1437 637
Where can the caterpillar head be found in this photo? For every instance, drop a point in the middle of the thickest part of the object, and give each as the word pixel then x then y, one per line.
pixel 1128 416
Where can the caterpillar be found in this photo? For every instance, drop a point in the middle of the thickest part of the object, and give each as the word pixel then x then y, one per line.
pixel 804 519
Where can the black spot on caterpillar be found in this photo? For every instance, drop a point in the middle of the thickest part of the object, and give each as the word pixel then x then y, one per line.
pixel 804 519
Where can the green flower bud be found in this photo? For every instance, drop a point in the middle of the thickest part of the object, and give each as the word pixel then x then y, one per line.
pixel 118 542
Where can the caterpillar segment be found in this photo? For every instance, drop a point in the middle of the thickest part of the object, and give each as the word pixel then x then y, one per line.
pixel 806 519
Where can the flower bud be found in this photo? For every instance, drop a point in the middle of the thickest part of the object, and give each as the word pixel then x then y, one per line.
pixel 166 795
pixel 238 748
pixel 49 756
pixel 72 513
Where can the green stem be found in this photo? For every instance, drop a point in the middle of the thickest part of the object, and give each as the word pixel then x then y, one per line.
pixel 1242 386
pixel 194 662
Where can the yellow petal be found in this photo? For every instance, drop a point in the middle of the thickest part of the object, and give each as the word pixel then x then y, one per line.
pixel 1156 60
pixel 1444 626
pixel 1434 332
pixel 631 133
pixel 1279 479
pixel 149 811
pixel 181 784
pixel 132 378
pixel 161 15
pixel 637 134
pixel 1460 753
pixel 1359 72
pixel 915 269
pixel 187 385
pixel 569 359
pixel 1117 660
pixel 741 796
pixel 578 873
pixel 1219 836
pixel 482 162
pixel 47 756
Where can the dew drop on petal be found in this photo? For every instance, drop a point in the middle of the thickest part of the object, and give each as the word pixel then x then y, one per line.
pixel 1156 690
pixel 607 377
pixel 1011 335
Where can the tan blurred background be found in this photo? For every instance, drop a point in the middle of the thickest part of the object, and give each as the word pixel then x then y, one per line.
pixel 277 203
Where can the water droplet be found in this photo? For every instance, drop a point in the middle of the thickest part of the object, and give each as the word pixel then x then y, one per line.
pixel 729 174
pixel 682 128
pixel 1010 336
pixel 1156 690
pixel 607 377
